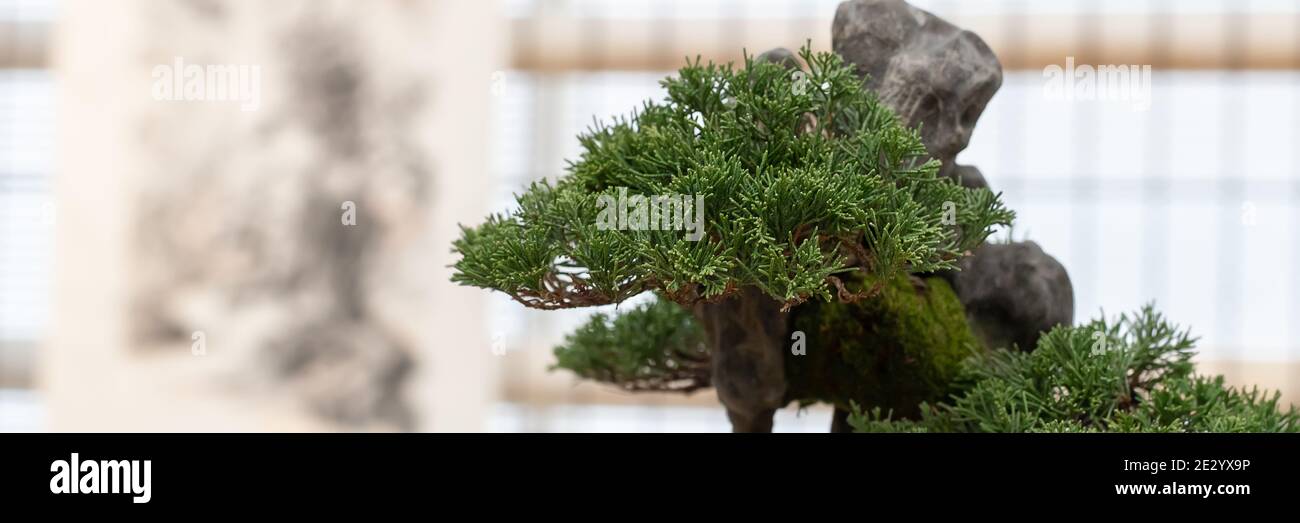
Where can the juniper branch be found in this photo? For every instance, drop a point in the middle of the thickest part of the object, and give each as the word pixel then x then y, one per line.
pixel 1133 374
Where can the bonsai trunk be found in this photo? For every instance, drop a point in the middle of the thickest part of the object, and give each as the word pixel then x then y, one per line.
pixel 747 333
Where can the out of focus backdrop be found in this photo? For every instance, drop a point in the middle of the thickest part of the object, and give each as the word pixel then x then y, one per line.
pixel 236 215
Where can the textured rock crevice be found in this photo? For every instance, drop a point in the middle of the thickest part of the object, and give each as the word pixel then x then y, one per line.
pixel 930 72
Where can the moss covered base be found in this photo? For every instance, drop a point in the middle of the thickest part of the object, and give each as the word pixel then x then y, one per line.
pixel 893 351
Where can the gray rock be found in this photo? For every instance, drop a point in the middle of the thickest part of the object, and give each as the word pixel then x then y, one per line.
pixel 941 77
pixel 930 72
pixel 968 175
pixel 782 57
pixel 1013 292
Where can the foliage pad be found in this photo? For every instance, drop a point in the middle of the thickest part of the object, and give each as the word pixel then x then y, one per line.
pixel 1130 375
pixel 804 176
pixel 655 346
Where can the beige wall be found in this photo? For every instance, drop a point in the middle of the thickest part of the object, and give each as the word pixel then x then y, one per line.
pixel 134 169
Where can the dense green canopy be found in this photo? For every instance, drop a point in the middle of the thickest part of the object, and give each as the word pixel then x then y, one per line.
pixel 802 176
pixel 788 181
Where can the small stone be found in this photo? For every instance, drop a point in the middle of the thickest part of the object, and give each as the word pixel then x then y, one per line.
pixel 1013 292
pixel 969 176
pixel 782 57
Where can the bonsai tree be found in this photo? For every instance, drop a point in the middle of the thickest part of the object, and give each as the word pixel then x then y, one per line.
pixel 749 201
pixel 808 237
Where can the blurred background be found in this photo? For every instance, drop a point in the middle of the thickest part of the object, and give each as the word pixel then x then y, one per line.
pixel 188 264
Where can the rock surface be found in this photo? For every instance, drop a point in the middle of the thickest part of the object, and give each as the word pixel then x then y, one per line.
pixel 782 57
pixel 941 77
pixel 930 72
pixel 1013 293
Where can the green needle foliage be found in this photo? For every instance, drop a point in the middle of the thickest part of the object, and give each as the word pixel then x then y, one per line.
pixel 803 176
pixel 1130 375
pixel 896 350
pixel 656 346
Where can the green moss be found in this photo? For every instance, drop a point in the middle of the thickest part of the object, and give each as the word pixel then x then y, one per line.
pixel 892 351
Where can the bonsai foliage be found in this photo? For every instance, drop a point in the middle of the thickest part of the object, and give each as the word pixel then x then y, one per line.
pixel 655 346
pixel 895 351
pixel 1130 375
pixel 796 178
